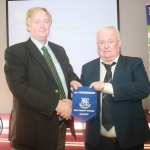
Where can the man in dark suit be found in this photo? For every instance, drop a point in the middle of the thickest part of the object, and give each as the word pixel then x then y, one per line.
pixel 39 117
pixel 129 84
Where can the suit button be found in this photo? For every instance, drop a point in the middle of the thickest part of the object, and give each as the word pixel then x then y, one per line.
pixel 56 91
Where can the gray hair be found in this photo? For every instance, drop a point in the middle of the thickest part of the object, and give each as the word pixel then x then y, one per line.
pixel 109 27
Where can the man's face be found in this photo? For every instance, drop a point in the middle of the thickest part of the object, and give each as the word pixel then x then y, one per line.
pixel 108 45
pixel 39 26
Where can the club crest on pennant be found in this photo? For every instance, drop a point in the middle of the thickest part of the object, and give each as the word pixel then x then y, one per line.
pixel 84 103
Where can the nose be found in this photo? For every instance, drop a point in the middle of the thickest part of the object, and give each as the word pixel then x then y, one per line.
pixel 106 45
pixel 42 24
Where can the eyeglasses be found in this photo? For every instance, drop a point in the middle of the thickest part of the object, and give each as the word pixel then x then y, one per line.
pixel 109 42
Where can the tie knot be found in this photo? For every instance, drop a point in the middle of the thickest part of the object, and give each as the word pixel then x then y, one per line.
pixel 44 49
pixel 109 66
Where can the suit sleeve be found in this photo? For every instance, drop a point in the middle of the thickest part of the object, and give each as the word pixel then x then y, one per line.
pixel 16 70
pixel 133 82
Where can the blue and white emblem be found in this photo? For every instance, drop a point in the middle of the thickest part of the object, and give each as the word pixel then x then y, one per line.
pixel 84 103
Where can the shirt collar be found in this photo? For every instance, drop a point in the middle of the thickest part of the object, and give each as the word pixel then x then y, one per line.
pixel 115 60
pixel 38 44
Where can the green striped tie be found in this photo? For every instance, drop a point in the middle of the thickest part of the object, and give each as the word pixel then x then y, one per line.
pixel 52 67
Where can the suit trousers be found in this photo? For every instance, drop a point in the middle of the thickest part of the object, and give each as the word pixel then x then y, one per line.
pixel 61 137
pixel 110 145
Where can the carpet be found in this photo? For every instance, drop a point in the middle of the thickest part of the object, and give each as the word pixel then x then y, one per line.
pixel 71 143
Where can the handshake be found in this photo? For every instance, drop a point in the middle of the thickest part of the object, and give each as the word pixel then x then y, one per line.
pixel 64 109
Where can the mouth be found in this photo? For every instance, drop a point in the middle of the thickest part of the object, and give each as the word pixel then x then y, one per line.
pixel 106 51
pixel 42 31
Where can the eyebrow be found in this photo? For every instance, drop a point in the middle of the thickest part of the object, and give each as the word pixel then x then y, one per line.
pixel 108 39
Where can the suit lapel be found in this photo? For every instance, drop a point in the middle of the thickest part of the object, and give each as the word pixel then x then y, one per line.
pixel 120 64
pixel 97 77
pixel 97 70
pixel 60 60
pixel 39 58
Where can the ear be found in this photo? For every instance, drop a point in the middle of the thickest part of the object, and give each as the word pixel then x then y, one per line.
pixel 120 42
pixel 29 28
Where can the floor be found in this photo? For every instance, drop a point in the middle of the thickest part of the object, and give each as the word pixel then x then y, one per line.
pixel 147 144
pixel 71 143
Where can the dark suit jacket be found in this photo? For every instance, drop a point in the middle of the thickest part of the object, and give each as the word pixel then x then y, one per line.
pixel 34 122
pixel 131 85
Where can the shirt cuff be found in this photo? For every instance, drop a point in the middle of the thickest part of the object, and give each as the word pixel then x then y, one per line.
pixel 108 89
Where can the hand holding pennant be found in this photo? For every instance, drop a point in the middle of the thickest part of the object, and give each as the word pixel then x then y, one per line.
pixel 84 103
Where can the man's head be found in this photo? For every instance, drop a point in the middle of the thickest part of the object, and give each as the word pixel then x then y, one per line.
pixel 109 43
pixel 38 22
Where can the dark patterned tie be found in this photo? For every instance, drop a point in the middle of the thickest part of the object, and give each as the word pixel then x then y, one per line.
pixel 107 120
pixel 52 67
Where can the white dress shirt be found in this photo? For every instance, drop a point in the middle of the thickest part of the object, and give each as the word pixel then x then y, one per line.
pixel 109 90
pixel 56 63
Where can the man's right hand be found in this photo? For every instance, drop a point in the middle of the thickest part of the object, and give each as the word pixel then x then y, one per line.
pixel 64 108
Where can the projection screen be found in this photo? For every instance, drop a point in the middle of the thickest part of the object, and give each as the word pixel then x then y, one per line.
pixel 74 25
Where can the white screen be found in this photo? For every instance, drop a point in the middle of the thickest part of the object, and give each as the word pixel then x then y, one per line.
pixel 74 26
